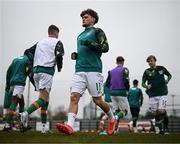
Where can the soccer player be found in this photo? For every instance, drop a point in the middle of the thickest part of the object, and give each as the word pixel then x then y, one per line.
pixel 16 75
pixel 135 99
pixel 118 82
pixel 49 52
pixel 156 88
pixel 91 43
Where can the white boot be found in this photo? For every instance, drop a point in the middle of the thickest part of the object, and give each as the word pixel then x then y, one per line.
pixel 135 129
pixel 45 128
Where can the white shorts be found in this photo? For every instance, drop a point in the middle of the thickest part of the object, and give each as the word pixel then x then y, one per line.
pixel 43 81
pixel 18 90
pixel 158 102
pixel 120 103
pixel 92 81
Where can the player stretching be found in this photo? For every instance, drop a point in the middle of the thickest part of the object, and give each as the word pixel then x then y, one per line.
pixel 16 75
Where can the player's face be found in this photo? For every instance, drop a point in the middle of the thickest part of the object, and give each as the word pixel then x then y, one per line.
pixel 56 34
pixel 152 63
pixel 87 20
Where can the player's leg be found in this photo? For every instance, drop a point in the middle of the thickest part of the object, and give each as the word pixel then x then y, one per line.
pixel 135 118
pixel 21 104
pixel 153 103
pixel 78 86
pixel 6 105
pixel 43 84
pixel 44 117
pixel 123 106
pixel 17 94
pixel 94 85
pixel 163 114
pixel 101 128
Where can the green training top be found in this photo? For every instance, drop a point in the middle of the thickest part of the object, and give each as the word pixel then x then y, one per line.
pixel 135 97
pixel 91 43
pixel 107 95
pixel 16 73
pixel 155 77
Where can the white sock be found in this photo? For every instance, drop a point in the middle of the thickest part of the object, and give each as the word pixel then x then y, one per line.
pixel 25 113
pixel 7 125
pixel 71 119
pixel 110 115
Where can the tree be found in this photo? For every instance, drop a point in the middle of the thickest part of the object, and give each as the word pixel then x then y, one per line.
pixel 60 114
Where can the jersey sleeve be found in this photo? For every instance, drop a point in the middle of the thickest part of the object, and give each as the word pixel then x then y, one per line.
pixel 101 45
pixel 8 77
pixel 29 73
pixel 30 52
pixel 59 53
pixel 126 78
pixel 141 96
pixel 107 83
pixel 167 73
pixel 144 79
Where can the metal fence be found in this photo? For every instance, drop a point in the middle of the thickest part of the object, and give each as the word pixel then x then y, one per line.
pixel 92 125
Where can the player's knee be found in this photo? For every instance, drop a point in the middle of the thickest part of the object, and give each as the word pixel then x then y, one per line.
pixel 74 98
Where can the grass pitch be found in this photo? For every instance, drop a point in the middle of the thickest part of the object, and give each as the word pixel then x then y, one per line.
pixel 84 137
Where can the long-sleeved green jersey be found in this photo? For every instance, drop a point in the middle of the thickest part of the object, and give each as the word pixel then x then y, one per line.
pixel 17 72
pixel 155 77
pixel 91 43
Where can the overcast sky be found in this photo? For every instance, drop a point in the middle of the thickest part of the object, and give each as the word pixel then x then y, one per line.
pixel 134 29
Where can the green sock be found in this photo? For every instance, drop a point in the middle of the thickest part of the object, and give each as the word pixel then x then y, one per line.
pixel 121 114
pixel 44 112
pixel 35 105
pixel 12 109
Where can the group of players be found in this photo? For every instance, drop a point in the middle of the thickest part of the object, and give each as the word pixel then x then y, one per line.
pixel 39 63
pixel 121 97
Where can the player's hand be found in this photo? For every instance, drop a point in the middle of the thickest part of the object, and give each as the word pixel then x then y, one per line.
pixel 166 81
pixel 149 86
pixel 74 55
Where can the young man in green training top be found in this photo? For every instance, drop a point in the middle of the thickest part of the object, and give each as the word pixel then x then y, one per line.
pixel 16 75
pixel 49 53
pixel 156 88
pixel 91 43
pixel 135 99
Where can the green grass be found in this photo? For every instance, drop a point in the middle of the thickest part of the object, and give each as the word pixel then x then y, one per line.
pixel 82 137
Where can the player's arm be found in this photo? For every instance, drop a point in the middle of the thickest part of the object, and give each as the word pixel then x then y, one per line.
pixel 8 77
pixel 101 45
pixel 144 79
pixel 59 53
pixel 30 52
pixel 141 97
pixel 29 72
pixel 107 83
pixel 167 73
pixel 126 78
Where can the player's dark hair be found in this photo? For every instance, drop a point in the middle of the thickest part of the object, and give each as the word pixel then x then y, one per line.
pixel 52 29
pixel 91 13
pixel 135 82
pixel 150 57
pixel 119 59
